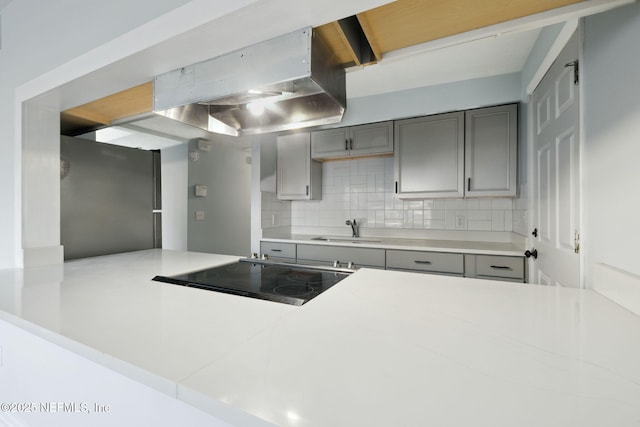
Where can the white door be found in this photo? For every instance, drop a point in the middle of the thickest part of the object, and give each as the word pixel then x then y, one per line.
pixel 556 173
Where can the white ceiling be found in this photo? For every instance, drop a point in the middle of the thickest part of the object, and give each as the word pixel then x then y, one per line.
pixel 3 3
pixel 124 137
pixel 492 56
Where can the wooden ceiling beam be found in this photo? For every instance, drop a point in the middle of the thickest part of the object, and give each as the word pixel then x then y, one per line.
pixel 133 101
pixel 404 23
pixel 369 34
pixel 345 42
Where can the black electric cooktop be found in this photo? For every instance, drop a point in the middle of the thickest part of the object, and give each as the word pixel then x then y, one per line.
pixel 279 282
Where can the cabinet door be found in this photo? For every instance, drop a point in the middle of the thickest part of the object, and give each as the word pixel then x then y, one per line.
pixel 429 156
pixel 495 267
pixel 374 138
pixel 491 151
pixel 326 255
pixel 438 262
pixel 330 143
pixel 298 178
pixel 279 251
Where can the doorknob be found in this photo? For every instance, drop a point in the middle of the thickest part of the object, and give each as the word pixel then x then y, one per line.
pixel 533 253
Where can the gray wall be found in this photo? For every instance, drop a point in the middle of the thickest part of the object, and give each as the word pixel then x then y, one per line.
pixel 174 197
pixel 226 171
pixel 106 199
pixel 26 55
pixel 611 99
pixel 427 100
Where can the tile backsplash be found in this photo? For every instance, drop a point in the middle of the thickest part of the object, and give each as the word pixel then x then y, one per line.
pixel 363 189
pixel 275 213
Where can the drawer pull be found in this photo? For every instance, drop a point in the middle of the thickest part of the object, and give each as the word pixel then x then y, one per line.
pixel 276 250
pixel 500 267
pixel 422 262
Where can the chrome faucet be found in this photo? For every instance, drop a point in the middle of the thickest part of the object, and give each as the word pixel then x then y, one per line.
pixel 354 227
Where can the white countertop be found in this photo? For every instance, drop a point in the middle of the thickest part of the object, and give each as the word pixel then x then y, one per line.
pixel 457 246
pixel 381 348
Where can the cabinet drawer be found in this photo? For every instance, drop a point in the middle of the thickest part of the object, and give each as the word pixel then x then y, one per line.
pixel 278 250
pixel 437 262
pixel 500 266
pixel 361 257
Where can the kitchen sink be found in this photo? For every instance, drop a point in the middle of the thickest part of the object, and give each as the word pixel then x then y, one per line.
pixel 345 239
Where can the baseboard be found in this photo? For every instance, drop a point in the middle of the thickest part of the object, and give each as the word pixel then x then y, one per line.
pixel 619 286
pixel 45 255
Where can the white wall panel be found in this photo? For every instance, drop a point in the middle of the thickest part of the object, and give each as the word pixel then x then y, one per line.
pixel 612 131
pixel 174 197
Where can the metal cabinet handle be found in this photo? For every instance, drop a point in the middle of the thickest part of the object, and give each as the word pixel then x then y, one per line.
pixel 307 190
pixel 500 267
pixel 533 253
pixel 396 187
pixel 422 262
pixel 276 250
pixel 346 144
pixel 351 143
pixel 468 184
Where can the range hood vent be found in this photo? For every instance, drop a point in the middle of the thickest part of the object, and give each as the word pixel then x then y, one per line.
pixel 289 82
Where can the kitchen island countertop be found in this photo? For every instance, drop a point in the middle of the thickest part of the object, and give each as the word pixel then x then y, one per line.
pixel 381 348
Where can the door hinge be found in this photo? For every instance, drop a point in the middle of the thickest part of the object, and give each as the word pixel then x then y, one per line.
pixel 576 70
pixel 576 242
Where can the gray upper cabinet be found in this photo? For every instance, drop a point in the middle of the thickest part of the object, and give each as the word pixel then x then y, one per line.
pixel 355 141
pixel 429 156
pixel 298 177
pixel 491 145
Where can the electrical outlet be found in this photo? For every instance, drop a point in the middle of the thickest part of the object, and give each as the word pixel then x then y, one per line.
pixel 199 215
pixel 460 222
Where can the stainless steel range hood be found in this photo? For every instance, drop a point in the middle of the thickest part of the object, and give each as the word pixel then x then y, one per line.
pixel 285 83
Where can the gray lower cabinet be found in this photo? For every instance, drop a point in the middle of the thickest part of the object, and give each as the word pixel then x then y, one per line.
pixel 279 251
pixel 450 264
pixel 495 267
pixel 327 255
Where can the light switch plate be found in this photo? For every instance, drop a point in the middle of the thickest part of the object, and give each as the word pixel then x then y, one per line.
pixel 201 190
pixel 204 145
pixel 199 215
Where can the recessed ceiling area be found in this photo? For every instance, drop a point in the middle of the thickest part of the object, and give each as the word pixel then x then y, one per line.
pixel 391 28
pixel 486 57
pixel 404 23
pixel 103 112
